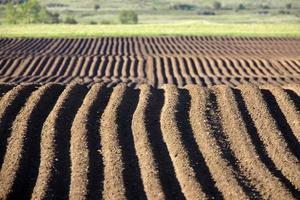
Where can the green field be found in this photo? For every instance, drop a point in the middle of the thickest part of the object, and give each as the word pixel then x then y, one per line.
pixel 158 17
pixel 161 12
pixel 62 30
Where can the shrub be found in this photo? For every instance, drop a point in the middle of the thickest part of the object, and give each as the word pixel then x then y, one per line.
pixel 264 6
pixel 284 12
pixel 289 6
pixel 217 5
pixel 13 1
pixel 263 12
pixel 54 18
pixel 59 5
pixel 97 7
pixel 70 20
pixel 29 12
pixel 182 6
pixel 11 13
pixel 104 21
pixel 93 23
pixel 206 12
pixel 128 17
pixel 241 7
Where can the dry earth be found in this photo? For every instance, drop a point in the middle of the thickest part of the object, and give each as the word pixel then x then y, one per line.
pixel 156 61
pixel 150 118
pixel 115 143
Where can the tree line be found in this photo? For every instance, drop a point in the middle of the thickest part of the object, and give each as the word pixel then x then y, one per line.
pixel 31 11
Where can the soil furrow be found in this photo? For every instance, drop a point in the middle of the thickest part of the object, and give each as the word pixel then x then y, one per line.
pixel 10 104
pixel 114 185
pixel 288 110
pixel 86 158
pixel 220 169
pixel 20 167
pixel 177 150
pixel 268 186
pixel 270 135
pixel 54 169
pixel 149 169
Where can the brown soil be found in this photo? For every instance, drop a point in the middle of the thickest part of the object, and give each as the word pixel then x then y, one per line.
pixel 156 61
pixel 150 118
pixel 171 143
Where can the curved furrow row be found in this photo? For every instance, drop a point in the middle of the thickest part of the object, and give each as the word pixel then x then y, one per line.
pixel 216 70
pixel 287 107
pixel 176 71
pixel 178 152
pixel 294 88
pixel 94 142
pixel 93 69
pixel 162 70
pixel 269 187
pixel 271 136
pixel 114 185
pixel 185 71
pixel 157 75
pixel 10 104
pixel 54 169
pixel 204 132
pixel 141 133
pixel 158 45
pixel 86 158
pixel 39 68
pixel 4 88
pixel 189 62
pixel 19 169
pixel 124 69
pixel 5 66
pixel 14 66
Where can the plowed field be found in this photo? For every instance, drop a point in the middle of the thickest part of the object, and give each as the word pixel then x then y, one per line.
pixel 150 118
pixel 156 61
pixel 115 143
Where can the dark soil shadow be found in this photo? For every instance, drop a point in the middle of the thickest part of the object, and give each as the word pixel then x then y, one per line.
pixel 167 174
pixel 259 146
pixel 29 166
pixel 96 174
pixel 203 174
pixel 215 123
pixel 132 175
pixel 9 117
pixel 281 122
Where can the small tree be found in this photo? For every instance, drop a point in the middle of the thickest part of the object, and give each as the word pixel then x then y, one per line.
pixel 241 6
pixel 183 6
pixel 54 18
pixel 28 12
pixel 217 5
pixel 11 13
pixel 70 20
pixel 289 6
pixel 97 7
pixel 93 23
pixel 106 22
pixel 264 6
pixel 128 17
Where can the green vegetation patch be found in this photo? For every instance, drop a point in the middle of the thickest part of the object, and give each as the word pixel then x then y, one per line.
pixel 79 30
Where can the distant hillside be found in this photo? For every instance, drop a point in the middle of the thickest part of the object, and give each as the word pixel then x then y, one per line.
pixel 159 4
pixel 174 11
pixel 162 4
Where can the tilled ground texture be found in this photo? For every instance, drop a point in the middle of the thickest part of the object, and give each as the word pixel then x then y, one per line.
pixel 156 61
pixel 150 118
pixel 73 141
